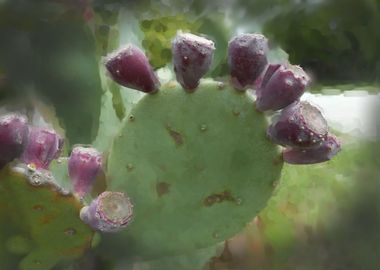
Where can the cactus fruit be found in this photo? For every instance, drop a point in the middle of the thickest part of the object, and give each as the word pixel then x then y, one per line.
pixel 299 125
pixel 130 68
pixel 84 165
pixel 13 136
pixel 281 86
pixel 42 147
pixel 247 58
pixel 109 212
pixel 320 153
pixel 192 57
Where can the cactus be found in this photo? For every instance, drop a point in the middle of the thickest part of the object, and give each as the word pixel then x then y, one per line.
pixel 40 224
pixel 179 159
pixel 45 225
pixel 187 169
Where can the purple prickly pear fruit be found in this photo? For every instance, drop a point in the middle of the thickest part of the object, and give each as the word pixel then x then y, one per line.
pixel 84 165
pixel 42 147
pixel 299 125
pixel 13 136
pixel 130 68
pixel 271 68
pixel 321 153
pixel 281 86
pixel 192 57
pixel 247 58
pixel 109 212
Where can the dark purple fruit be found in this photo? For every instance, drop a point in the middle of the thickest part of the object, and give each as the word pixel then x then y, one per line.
pixel 321 153
pixel 247 59
pixel 13 136
pixel 281 86
pixel 43 146
pixel 109 212
pixel 84 165
pixel 299 125
pixel 192 57
pixel 130 68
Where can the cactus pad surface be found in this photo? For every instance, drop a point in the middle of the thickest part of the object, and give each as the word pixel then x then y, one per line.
pixel 197 168
pixel 43 225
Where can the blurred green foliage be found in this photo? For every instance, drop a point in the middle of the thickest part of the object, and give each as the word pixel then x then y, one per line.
pixel 337 40
pixel 47 51
pixel 158 34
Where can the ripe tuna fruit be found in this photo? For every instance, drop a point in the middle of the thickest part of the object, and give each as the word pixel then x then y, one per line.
pixel 43 146
pixel 192 57
pixel 299 125
pixel 247 58
pixel 13 136
pixel 84 165
pixel 109 212
pixel 281 86
pixel 321 153
pixel 130 68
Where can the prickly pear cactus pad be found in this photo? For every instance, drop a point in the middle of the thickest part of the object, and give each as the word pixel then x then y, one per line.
pixel 197 166
pixel 46 228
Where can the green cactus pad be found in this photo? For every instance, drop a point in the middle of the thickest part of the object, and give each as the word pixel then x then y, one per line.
pixel 197 167
pixel 43 225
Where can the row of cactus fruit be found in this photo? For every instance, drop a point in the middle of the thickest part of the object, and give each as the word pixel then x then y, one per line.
pixel 37 147
pixel 298 126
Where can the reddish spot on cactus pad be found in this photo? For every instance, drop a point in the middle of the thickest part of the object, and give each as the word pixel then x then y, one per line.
pixel 73 251
pixel 38 207
pixel 177 137
pixel 220 197
pixel 162 188
pixel 48 218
